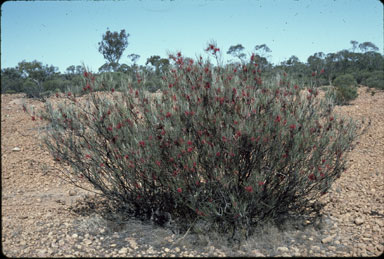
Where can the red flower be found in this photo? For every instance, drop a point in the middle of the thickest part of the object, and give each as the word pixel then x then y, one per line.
pixel 110 128
pixel 85 74
pixel 331 118
pixel 112 90
pixel 190 149
pixel 278 118
pixel 142 143
pixel 292 126
pixel 87 156
pixel 261 183
pixel 314 73
pixel 158 163
pixel 179 190
pixel 33 118
pixel 312 177
pixel 168 115
pixel 162 132
pixel 190 143
pixel 322 71
pixel 218 154
pixel 249 189
pixel 69 94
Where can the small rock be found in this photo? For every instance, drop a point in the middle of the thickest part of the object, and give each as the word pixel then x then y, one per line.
pixel 132 243
pixel 16 149
pixel 315 248
pixel 23 217
pixel 71 193
pixel 327 239
pixel 113 245
pixel 257 253
pixel 282 249
pixel 123 250
pixel 359 221
pixel 75 236
pixel 87 242
pixel 166 249
pixel 177 250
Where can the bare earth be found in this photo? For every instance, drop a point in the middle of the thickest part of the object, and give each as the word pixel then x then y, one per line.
pixel 38 219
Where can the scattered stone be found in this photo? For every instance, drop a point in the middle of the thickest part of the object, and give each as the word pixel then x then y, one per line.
pixel 177 250
pixel 257 253
pixel 71 193
pixel 16 149
pixel 132 243
pixel 123 250
pixel 166 249
pixel 74 236
pixel 359 221
pixel 282 249
pixel 327 239
pixel 87 242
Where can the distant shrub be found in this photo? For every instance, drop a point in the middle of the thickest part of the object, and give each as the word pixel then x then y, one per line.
pixel 375 80
pixel 345 89
pixel 10 91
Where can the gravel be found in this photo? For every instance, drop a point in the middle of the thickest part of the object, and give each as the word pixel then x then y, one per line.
pixel 43 216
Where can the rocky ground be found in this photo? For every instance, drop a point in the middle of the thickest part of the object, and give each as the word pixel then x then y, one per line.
pixel 43 216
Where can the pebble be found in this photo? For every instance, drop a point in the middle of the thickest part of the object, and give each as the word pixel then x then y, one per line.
pixel 257 253
pixel 327 239
pixel 282 249
pixel 123 250
pixel 71 193
pixel 359 221
pixel 132 243
pixel 16 149
pixel 87 242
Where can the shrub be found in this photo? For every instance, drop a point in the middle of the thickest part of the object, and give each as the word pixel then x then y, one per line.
pixel 219 145
pixel 375 80
pixel 345 89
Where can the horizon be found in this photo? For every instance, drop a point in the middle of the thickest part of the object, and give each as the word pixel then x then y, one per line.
pixel 50 31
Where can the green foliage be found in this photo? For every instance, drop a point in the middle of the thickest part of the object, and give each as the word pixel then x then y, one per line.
pixel 218 145
pixel 33 89
pixel 345 89
pixel 112 47
pixel 375 80
pixel 11 80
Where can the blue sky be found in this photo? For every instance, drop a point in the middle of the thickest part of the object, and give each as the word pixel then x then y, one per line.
pixel 64 33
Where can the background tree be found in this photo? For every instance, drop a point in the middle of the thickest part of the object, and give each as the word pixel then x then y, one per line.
pixel 11 80
pixel 237 52
pixel 112 46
